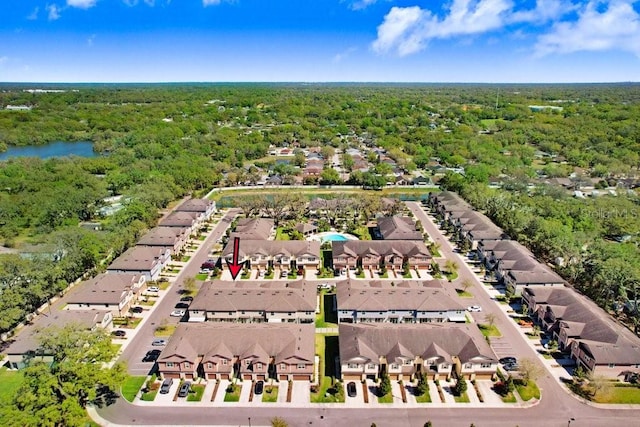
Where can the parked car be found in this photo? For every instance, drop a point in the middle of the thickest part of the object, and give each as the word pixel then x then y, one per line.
pixel 508 360
pixel 153 289
pixel 284 273
pixel 151 356
pixel 511 367
pixel 184 389
pixel 178 313
pixel 159 342
pixel 187 298
pixel 474 308
pixel 166 385
pixel 119 333
pixel 257 389
pixel 351 389
pixel 182 305
pixel 136 309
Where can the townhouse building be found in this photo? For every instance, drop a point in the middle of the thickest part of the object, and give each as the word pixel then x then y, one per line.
pixel 372 254
pixel 284 254
pixel 398 228
pixel 439 350
pixel 250 352
pixel 581 328
pixel 407 301
pixel 255 302
pixel 144 260
pixel 173 238
pixel 113 292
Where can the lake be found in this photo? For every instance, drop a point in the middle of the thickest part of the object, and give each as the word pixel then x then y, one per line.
pixel 54 149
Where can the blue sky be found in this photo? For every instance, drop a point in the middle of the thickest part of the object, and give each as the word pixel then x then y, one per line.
pixel 319 40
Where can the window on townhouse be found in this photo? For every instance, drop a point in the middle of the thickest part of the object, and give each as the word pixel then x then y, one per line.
pixel 468 365
pixel 394 366
pixel 371 366
pixel 209 365
pixel 283 366
pixel 485 365
pixel 612 365
pixel 247 362
pixel 224 362
pixel 444 366
pixel 169 364
pixel 301 366
pixel 259 366
pixel 408 362
pixel 352 365
pixel 187 365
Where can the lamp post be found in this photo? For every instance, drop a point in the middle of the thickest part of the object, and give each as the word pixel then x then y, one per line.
pixel 569 422
pixel 250 421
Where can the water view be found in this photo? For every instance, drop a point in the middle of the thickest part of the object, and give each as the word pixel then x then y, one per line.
pixel 55 149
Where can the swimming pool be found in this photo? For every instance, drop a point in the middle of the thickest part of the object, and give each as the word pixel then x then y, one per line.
pixel 332 236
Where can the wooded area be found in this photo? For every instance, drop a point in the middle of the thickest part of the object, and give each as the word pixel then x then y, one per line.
pixel 160 142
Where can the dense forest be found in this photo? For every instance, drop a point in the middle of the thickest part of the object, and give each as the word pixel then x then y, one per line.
pixel 161 142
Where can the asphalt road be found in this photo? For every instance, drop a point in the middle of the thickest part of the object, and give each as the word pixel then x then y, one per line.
pixel 141 342
pixel 555 409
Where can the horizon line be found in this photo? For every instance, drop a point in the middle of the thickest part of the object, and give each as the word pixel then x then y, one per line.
pixel 304 82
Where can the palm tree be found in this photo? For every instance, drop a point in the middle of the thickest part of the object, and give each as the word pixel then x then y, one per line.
pixel 451 266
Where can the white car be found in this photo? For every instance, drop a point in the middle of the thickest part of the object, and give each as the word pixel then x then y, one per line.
pixel 474 308
pixel 153 289
pixel 178 313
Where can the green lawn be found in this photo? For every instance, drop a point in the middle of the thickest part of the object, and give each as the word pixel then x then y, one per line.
pixel 387 398
pixel 151 394
pixel 489 330
pixel 10 381
pixel 326 318
pixel 451 276
pixel 464 294
pixel 202 276
pixel 327 349
pixel 131 386
pixel 185 258
pixel 233 396
pixel 509 398
pixel 425 398
pixel 281 235
pixel 270 394
pixel 164 330
pixel 528 392
pixel 195 395
pixel 463 398
pixel 619 394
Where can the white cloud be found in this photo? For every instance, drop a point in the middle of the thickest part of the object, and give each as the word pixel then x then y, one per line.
pixel 399 28
pixel 409 29
pixel 614 25
pixel 81 4
pixel 206 3
pixel 34 15
pixel 545 11
pixel 361 4
pixel 54 12
pixel 338 57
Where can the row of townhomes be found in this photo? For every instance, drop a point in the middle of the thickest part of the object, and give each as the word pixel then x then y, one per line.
pixel 589 334
pixel 510 262
pixel 95 302
pixel 595 341
pixel 257 329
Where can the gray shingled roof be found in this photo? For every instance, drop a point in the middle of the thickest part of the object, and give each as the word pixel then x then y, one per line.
pixel 28 338
pixel 195 205
pixel 163 236
pixel 103 289
pixel 285 342
pixel 137 258
pixel 381 295
pixel 179 219
pixel 290 248
pixel 398 228
pixel 253 229
pixel 356 248
pixel 374 340
pixel 277 296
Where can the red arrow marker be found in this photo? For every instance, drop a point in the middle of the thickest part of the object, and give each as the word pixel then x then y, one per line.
pixel 234 267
